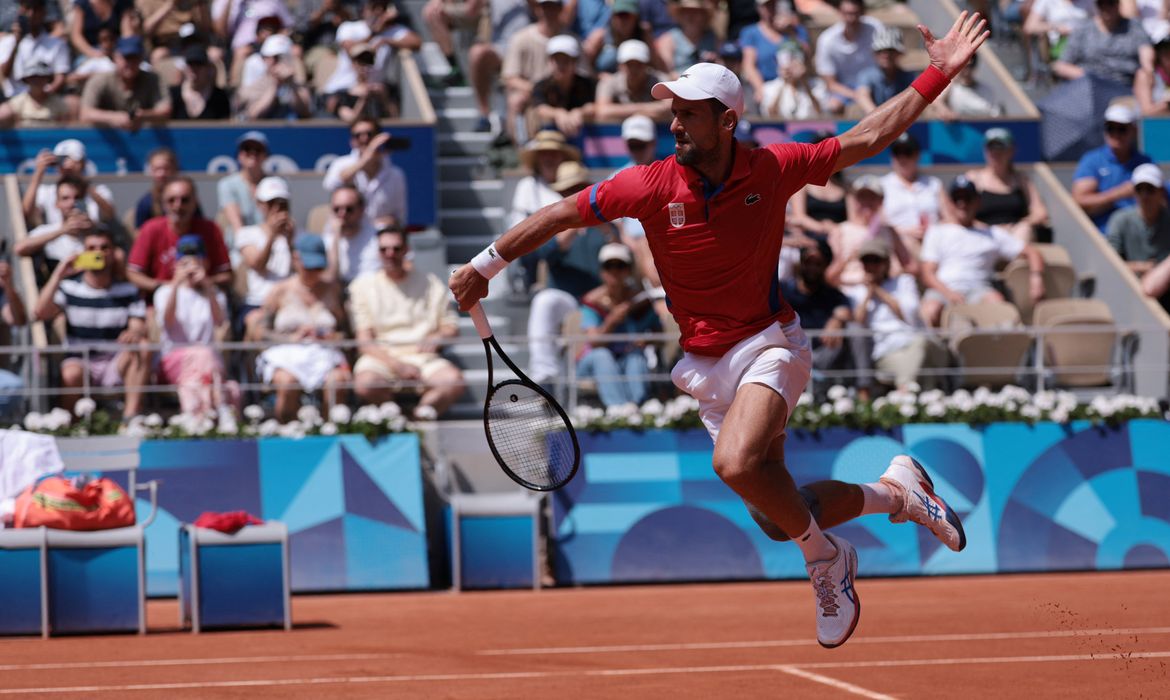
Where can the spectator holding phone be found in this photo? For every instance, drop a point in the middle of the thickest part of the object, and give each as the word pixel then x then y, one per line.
pixel 277 93
pixel 266 248
pixel 368 167
pixel 129 97
pixel 40 197
pixel 152 259
pixel 98 308
pixel 189 311
pixel 64 239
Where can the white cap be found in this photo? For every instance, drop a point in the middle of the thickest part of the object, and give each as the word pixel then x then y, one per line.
pixel 703 81
pixel 276 45
pixel 639 128
pixel 186 29
pixel 633 50
pixel 888 38
pixel 563 43
pixel 868 182
pixel 71 149
pixel 1147 174
pixel 1120 113
pixel 615 251
pixel 356 30
pixel 271 188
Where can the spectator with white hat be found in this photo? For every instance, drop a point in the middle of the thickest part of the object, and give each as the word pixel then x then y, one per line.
pixel 1141 233
pixel 627 92
pixel 266 248
pixel 794 94
pixel 278 93
pixel 40 198
pixel 641 137
pixel 129 97
pixel 526 61
pixel 564 98
pixel 36 106
pixel 886 78
pixel 1102 182
pixel 379 27
pixel 236 193
pixel 31 40
pixel 369 96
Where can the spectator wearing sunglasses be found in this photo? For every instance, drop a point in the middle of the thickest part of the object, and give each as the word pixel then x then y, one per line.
pixel 1141 234
pixel 152 259
pixel 369 169
pixel 351 241
pixel 266 248
pixel 1102 182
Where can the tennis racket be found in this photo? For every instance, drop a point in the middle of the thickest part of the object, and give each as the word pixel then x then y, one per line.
pixel 527 430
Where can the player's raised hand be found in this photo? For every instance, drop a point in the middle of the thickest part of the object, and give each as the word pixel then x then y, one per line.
pixel 950 53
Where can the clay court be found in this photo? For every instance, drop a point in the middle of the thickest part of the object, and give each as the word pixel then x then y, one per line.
pixel 1100 635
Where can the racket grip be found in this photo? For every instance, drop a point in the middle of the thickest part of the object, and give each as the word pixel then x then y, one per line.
pixel 481 321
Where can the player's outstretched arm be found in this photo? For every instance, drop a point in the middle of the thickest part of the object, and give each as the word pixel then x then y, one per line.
pixel 469 284
pixel 948 55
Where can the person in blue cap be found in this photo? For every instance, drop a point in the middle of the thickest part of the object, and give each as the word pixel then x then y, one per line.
pixel 129 97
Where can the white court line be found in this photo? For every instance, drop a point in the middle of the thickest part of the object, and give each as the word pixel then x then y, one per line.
pixel 909 639
pixel 533 675
pixel 123 663
pixel 834 683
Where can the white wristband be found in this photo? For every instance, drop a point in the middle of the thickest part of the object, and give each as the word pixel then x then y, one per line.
pixel 489 262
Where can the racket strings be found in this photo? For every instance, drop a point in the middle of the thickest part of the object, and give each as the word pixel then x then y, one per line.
pixel 530 436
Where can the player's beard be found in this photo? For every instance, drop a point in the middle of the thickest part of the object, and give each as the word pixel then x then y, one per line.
pixel 687 153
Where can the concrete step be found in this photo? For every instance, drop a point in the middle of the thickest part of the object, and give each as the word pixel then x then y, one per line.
pixel 471 194
pixel 478 222
pixel 464 143
pixel 464 168
pixel 462 246
pixel 457 119
pixel 459 97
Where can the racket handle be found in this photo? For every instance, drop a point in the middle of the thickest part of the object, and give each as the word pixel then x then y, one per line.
pixel 481 321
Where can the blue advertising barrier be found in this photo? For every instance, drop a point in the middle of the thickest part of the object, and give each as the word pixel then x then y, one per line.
pixel 646 506
pixel 354 510
pixel 293 147
pixel 942 142
pixel 1155 138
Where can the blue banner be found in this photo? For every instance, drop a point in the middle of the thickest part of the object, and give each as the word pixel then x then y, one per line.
pixel 1155 138
pixel 293 148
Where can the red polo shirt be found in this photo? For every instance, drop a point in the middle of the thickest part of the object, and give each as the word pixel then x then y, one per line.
pixel 717 250
pixel 153 252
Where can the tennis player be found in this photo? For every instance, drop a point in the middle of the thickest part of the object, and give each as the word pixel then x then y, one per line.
pixel 714 220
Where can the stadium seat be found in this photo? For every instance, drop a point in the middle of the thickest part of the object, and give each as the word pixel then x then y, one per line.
pixel 1060 278
pixel 988 342
pixel 318 217
pixel 1082 357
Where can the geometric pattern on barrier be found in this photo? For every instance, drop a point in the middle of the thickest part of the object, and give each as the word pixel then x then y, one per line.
pixel 354 509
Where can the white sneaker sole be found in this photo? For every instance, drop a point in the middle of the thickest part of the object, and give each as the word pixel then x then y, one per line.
pixel 927 485
pixel 851 557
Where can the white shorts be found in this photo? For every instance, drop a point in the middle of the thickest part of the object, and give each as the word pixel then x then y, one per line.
pixel 778 357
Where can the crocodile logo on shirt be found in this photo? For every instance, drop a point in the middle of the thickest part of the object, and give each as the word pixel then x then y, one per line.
pixel 751 199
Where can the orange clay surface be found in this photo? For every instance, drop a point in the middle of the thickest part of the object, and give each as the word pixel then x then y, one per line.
pixel 1100 636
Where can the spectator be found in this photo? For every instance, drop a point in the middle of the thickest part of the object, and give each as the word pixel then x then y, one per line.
pixel 129 97
pixel 616 307
pixel 13 314
pixel 913 200
pixel 254 67
pixel 864 223
pixel 89 17
pixel 628 92
pixel 889 310
pixel 692 40
pixel 1141 233
pixel 794 94
pixel 959 259
pixel 351 240
pixel 822 307
pixel 163 23
pixel 62 240
pixel 641 137
pixel 1101 183
pixel 844 51
pixel 237 192
pixel 441 17
pixel 400 317
pixel 190 311
pixel 99 307
pixel 369 96
pixel 1109 46
pixel 299 313
pixel 381 29
pixel 601 45
pixel 368 167
pixel 1008 196
pixel 886 78
pixel 1150 84
pixel 266 249
pixel 526 61
pixel 317 22
pixel 485 58
pixel 10 14
pixel 731 58
pixel 162 164
pixel 564 99
pixel 198 97
pixel 36 106
pixel 1051 23
pixel 277 93
pixel 816 211
pixel 30 42
pixel 238 20
pixel 573 270
pixel 152 258
pixel 541 157
pixel 778 29
pixel 1154 16
pixel 107 46
pixel 964 98
pixel 40 197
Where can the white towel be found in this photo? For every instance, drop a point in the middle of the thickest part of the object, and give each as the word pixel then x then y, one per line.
pixel 24 458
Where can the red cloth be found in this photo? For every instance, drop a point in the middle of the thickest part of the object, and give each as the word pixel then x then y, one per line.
pixel 230 523
pixel 154 249
pixel 716 249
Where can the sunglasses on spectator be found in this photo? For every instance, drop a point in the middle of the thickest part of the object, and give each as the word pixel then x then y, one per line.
pixel 186 199
pixel 344 208
pixel 615 265
pixel 872 260
pixel 1145 189
pixel 384 249
pixel 280 204
pixel 1115 128
pixel 363 134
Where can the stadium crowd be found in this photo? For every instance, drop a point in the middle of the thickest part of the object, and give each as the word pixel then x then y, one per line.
pixel 889 253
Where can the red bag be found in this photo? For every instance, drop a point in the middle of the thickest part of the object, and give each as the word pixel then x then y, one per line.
pixel 61 504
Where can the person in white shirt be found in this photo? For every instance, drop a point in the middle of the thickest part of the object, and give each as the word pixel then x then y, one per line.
pixel 889 309
pixel 541 156
pixel 1051 22
pixel 368 168
pixel 845 50
pixel 794 94
pixel 28 43
pixel 189 310
pixel 959 259
pixel 913 201
pixel 351 241
pixel 61 240
pixel 266 248
pixel 40 197
pixel 381 30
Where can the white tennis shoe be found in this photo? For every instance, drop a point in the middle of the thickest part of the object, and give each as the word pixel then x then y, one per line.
pixel 921 504
pixel 838 607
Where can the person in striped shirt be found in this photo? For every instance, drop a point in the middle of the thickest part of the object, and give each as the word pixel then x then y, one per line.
pixel 105 319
